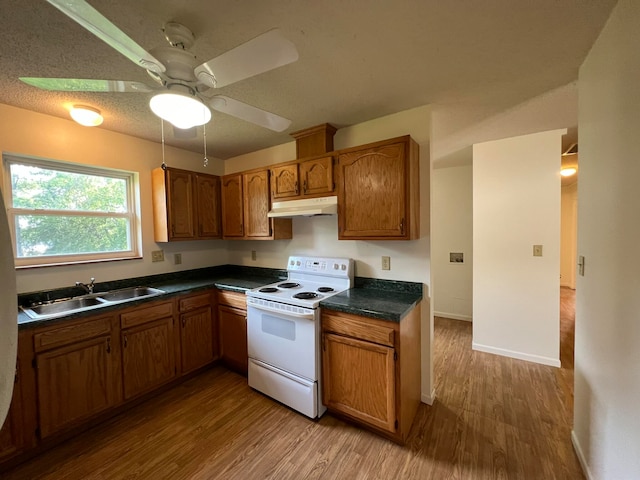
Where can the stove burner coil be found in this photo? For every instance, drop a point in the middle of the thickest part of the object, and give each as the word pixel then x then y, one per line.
pixel 268 290
pixel 306 295
pixel 288 285
pixel 325 289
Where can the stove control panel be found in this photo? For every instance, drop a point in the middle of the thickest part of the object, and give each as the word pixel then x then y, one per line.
pixel 341 267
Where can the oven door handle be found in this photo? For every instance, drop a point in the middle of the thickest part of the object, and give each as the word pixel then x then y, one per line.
pixel 308 316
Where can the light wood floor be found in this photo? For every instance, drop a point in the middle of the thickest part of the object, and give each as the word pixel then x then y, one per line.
pixel 494 418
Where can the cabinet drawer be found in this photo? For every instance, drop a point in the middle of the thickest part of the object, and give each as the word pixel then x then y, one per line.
pixel 196 301
pixel 354 327
pixel 146 314
pixel 233 299
pixel 67 334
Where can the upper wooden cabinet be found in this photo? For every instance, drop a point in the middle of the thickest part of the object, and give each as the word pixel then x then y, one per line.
pixel 245 204
pixel 378 191
pixel 186 205
pixel 232 207
pixel 303 179
pixel 284 182
pixel 317 176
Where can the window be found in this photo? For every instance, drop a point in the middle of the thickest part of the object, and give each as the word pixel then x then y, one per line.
pixel 64 213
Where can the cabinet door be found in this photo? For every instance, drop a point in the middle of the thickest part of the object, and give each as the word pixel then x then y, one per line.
pixel 197 340
pixel 284 181
pixel 373 193
pixel 74 383
pixel 147 356
pixel 232 206
pixel 359 380
pixel 233 338
pixel 208 206
pixel 317 176
pixel 256 204
pixel 11 431
pixel 181 205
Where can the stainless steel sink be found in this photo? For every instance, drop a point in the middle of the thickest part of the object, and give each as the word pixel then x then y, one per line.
pixel 129 294
pixel 63 307
pixel 89 302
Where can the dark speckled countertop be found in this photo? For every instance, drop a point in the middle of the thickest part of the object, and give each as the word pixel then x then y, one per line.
pixel 382 299
pixel 225 277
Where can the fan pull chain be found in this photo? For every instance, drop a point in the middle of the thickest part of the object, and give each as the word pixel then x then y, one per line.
pixel 164 165
pixel 204 136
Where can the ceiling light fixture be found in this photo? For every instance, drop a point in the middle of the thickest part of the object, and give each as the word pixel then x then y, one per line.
pixel 87 116
pixel 567 172
pixel 181 108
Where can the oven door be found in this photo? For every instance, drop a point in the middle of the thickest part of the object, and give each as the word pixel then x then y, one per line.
pixel 285 340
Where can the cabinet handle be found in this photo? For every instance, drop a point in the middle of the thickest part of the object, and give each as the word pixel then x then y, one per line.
pixel 296 188
pixel 109 345
pixel 402 226
pixel 304 187
pixel 184 322
pixel 125 341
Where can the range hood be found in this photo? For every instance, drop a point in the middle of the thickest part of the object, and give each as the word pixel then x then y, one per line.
pixel 306 207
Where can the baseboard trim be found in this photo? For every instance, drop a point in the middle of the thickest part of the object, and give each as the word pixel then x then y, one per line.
pixel 553 362
pixel 428 399
pixel 580 455
pixel 453 316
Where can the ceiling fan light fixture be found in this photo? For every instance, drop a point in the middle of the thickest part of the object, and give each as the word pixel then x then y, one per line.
pixel 86 116
pixel 182 111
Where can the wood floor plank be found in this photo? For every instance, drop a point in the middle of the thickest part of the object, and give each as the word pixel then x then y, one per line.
pixel 493 418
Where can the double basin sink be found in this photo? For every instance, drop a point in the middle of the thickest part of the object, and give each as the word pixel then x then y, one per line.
pixel 89 302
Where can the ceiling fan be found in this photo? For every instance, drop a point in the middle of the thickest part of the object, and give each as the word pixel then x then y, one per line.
pixel 178 76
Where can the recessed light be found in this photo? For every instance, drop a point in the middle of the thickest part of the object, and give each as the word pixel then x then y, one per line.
pixel 86 116
pixel 567 172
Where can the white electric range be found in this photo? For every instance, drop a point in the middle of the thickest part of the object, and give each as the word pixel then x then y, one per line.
pixel 283 330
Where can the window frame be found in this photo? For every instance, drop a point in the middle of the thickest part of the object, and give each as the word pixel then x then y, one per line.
pixel 131 215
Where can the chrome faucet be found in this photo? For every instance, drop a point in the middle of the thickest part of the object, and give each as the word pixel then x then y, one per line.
pixel 88 288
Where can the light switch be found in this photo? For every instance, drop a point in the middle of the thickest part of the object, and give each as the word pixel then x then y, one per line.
pixel 581 266
pixel 537 250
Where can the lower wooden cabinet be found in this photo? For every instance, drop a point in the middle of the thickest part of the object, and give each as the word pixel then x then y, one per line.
pixel 198 331
pixel 75 373
pixel 371 370
pixel 232 318
pixel 148 354
pixel 348 362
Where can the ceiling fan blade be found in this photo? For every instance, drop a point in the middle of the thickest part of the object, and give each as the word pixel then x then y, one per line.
pixel 85 85
pixel 249 113
pixel 265 52
pixel 88 17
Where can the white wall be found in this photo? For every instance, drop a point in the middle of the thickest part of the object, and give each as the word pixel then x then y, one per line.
pixel 410 260
pixel 568 235
pixel 607 354
pixel 452 223
pixel 27 133
pixel 516 204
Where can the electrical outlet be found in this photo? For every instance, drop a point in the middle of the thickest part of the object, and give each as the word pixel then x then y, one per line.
pixel 177 258
pixel 253 255
pixel 537 250
pixel 386 263
pixel 157 256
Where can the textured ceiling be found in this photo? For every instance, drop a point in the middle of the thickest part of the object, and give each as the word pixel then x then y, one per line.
pixel 359 59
